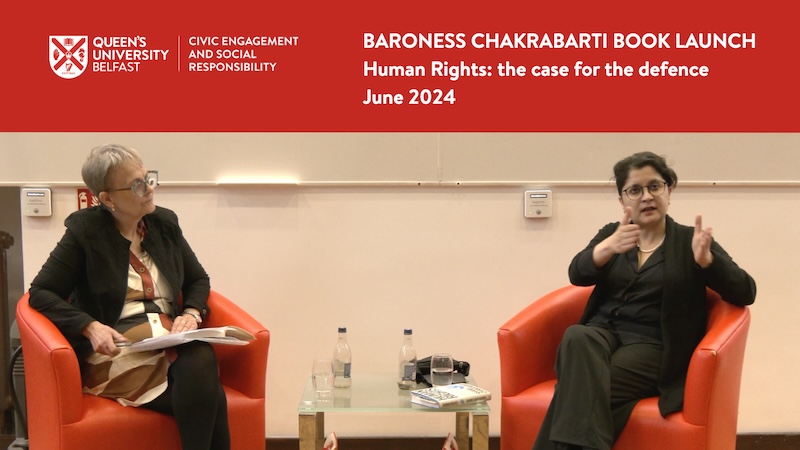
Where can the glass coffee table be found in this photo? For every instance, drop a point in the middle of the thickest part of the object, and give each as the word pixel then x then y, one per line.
pixel 378 393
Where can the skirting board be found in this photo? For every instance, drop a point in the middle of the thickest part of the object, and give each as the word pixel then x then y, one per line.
pixel 743 442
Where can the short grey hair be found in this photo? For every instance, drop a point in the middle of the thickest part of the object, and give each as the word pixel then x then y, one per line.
pixel 103 161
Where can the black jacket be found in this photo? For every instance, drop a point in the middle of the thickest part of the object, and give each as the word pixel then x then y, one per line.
pixel 89 268
pixel 683 307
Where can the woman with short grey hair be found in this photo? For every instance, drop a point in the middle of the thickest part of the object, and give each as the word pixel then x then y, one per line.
pixel 121 273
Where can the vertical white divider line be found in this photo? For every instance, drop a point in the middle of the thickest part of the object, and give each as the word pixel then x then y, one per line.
pixel 179 53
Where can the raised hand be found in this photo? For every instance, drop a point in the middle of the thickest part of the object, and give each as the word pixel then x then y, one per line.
pixel 624 238
pixel 627 234
pixel 701 243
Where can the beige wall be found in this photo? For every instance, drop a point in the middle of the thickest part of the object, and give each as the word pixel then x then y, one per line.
pixel 452 262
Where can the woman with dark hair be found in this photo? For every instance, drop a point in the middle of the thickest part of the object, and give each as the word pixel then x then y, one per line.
pixel 645 316
pixel 123 272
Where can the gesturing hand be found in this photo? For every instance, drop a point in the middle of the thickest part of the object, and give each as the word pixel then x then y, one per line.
pixel 701 243
pixel 626 235
pixel 623 239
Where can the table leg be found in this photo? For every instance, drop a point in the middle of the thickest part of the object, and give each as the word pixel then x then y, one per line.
pixel 480 432
pixel 312 429
pixel 462 430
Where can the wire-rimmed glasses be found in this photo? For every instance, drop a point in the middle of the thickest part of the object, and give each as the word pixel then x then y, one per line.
pixel 139 187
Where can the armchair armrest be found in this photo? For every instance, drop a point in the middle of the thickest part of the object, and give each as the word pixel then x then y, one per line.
pixel 243 368
pixel 46 352
pixel 714 378
pixel 528 341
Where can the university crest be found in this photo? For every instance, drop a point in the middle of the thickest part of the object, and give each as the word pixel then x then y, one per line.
pixel 69 55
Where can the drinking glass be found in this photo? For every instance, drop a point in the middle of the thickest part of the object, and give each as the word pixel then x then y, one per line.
pixel 441 369
pixel 322 377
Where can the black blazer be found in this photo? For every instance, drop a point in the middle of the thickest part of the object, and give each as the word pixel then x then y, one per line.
pixel 89 267
pixel 683 307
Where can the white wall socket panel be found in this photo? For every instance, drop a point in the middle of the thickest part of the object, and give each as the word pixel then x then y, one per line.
pixel 36 202
pixel 538 203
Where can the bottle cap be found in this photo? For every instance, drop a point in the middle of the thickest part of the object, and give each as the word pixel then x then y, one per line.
pixel 407 331
pixel 342 329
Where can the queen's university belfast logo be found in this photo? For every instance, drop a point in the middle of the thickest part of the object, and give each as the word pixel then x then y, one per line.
pixel 69 55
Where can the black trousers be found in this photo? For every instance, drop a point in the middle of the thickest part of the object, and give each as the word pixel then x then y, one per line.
pixel 195 397
pixel 599 381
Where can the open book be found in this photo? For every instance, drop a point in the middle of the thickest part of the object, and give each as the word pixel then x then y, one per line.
pixel 229 335
pixel 450 395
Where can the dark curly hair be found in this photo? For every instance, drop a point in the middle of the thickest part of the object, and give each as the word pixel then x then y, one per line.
pixel 639 160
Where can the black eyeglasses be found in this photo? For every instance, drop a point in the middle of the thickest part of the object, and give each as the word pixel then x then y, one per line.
pixel 140 186
pixel 635 192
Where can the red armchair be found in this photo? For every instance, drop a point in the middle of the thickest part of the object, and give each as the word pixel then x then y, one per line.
pixel 528 344
pixel 61 417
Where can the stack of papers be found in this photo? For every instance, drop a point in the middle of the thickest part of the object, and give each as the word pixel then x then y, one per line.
pixel 229 335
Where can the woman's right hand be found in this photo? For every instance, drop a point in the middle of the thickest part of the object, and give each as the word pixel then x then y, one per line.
pixel 102 338
pixel 623 239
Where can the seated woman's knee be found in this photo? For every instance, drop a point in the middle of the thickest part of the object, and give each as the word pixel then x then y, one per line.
pixel 198 355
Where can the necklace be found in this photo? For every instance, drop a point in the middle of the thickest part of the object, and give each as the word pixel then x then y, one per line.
pixel 654 248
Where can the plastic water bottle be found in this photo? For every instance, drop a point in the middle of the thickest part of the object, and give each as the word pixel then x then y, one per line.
pixel 407 374
pixel 342 361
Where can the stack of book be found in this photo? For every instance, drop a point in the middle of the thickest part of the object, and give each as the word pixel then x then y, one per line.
pixel 450 395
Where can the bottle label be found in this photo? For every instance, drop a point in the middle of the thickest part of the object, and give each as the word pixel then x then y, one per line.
pixel 409 372
pixel 347 370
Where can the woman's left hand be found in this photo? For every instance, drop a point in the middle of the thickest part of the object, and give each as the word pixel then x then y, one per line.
pixel 184 322
pixel 701 243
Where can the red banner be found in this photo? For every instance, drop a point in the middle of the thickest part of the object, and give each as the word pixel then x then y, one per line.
pixel 522 65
